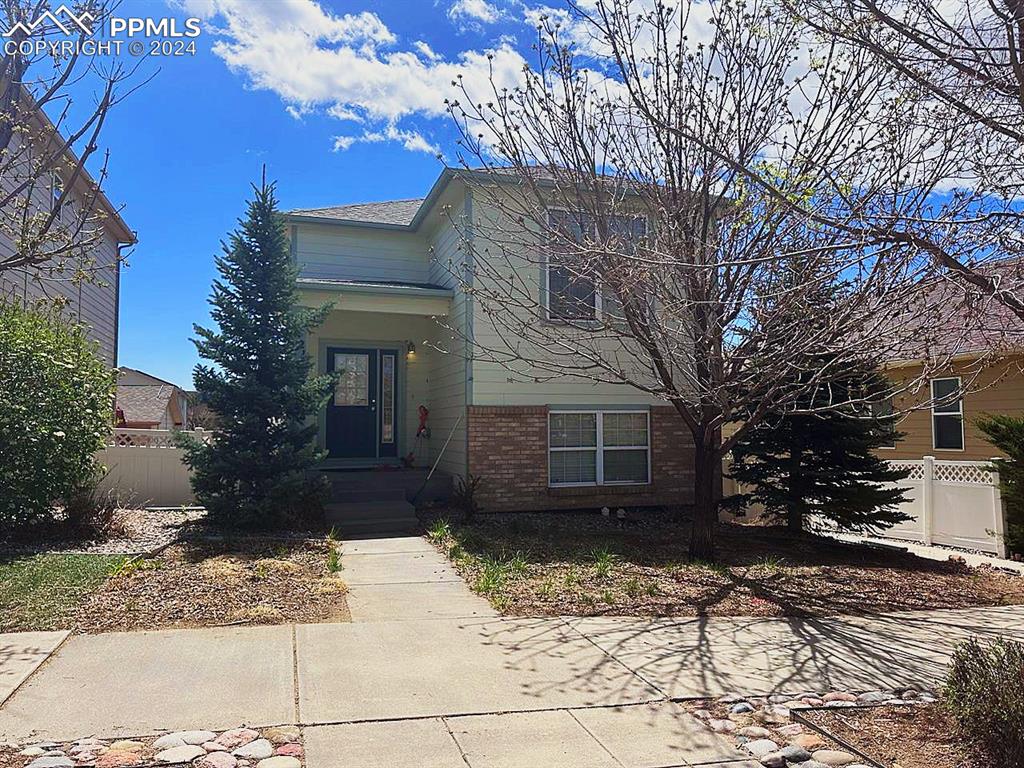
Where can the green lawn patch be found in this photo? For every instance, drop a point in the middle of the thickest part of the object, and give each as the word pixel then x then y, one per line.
pixel 43 591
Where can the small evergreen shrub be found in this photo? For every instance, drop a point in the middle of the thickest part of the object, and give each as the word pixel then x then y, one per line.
pixel 985 695
pixel 56 401
pixel 1007 434
pixel 464 497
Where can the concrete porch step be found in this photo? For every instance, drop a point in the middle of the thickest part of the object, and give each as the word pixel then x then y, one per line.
pixel 366 495
pixel 382 516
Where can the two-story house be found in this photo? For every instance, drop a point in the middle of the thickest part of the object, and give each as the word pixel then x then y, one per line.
pixel 404 331
pixel 87 292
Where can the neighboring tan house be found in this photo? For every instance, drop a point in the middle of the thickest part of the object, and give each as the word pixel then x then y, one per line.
pixel 146 402
pixel 985 375
pixel 389 268
pixel 93 302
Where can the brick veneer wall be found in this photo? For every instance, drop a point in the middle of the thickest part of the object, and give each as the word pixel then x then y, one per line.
pixel 508 450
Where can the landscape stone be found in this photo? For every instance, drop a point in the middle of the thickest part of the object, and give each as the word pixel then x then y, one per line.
pixel 195 737
pixel 793 729
pixel 292 750
pixel 754 732
pixel 255 750
pixel 281 761
pixel 722 726
pixel 773 760
pixel 126 745
pixel 169 741
pixel 761 747
pixel 118 758
pixel 809 741
pixel 809 764
pixel 85 757
pixel 32 752
pixel 873 697
pixel 281 734
pixel 186 753
pixel 51 761
pixel 217 760
pixel 213 746
pixel 740 708
pixel 838 696
pixel 236 737
pixel 794 753
pixel 833 758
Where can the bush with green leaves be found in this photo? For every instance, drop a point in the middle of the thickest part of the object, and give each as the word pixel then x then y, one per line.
pixel 56 399
pixel 1007 434
pixel 985 696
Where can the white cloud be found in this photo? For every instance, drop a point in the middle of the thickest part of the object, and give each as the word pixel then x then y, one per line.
pixel 351 66
pixel 473 11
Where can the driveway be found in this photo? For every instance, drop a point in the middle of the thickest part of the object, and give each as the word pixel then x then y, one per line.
pixel 427 675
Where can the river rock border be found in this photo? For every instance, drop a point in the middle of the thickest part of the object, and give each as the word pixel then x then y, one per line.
pixel 763 726
pixel 272 747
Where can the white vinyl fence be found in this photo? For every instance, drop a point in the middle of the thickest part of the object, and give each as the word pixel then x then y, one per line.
pixel 956 503
pixel 144 468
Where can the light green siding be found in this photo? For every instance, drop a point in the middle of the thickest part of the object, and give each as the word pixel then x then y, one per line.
pixel 360 253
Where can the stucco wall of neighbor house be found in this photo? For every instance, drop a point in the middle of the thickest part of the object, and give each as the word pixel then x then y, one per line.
pixel 92 302
pixel 998 388
pixel 508 450
pixel 494 383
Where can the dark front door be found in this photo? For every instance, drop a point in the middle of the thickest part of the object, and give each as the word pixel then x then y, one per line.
pixel 352 411
pixel 362 418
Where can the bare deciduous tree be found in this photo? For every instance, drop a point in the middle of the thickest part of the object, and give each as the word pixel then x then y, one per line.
pixel 51 218
pixel 634 154
pixel 958 64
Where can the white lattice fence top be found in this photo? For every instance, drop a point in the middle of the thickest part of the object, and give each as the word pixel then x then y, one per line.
pixel 970 472
pixel 150 438
pixel 914 468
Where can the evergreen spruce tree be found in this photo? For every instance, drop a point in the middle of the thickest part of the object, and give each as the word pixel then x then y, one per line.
pixel 255 472
pixel 822 464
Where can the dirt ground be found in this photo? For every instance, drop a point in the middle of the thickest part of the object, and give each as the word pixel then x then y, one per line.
pixel 899 736
pixel 211 583
pixel 583 564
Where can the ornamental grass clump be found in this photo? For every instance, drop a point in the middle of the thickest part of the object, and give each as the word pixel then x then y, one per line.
pixel 985 694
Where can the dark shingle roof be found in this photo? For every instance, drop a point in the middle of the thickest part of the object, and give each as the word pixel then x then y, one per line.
pixel 397 212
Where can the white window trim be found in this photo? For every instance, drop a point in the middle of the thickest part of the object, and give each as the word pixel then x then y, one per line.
pixel 598 318
pixel 960 412
pixel 600 448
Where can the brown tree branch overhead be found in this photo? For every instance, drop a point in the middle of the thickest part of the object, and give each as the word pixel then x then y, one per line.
pixel 691 185
pixel 51 219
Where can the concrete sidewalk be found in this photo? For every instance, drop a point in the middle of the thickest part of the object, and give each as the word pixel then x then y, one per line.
pixel 426 675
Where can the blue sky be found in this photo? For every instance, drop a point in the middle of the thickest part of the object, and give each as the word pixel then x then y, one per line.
pixel 278 82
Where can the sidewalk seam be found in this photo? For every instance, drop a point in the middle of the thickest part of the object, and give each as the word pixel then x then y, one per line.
pixel 624 665
pixel 295 674
pixel 451 733
pixel 592 735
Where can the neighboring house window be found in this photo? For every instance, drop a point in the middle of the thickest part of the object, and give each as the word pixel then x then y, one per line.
pixel 947 415
pixel 599 448
pixel 570 294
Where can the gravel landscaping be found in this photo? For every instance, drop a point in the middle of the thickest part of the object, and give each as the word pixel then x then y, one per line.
pixel 273 747
pixel 765 727
pixel 550 564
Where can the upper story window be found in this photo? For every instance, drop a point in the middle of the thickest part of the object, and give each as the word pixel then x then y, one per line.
pixel 947 415
pixel 573 295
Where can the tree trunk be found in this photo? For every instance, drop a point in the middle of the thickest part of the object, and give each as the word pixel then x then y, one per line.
pixel 705 505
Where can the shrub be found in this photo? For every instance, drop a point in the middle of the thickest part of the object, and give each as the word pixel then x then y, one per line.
pixel 56 399
pixel 1007 434
pixel 464 498
pixel 984 695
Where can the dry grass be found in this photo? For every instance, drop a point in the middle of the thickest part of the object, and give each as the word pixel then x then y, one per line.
pixel 573 564
pixel 210 583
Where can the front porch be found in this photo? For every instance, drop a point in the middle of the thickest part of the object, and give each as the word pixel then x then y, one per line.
pixel 383 499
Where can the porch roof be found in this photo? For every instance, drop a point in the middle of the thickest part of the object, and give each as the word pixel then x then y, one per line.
pixel 381 296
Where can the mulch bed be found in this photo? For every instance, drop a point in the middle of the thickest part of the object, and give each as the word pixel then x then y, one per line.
pixel 211 583
pixel 760 571
pixel 898 736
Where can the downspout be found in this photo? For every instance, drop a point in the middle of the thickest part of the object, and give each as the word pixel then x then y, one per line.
pixel 469 268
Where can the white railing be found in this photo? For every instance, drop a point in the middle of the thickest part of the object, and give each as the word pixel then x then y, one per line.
pixel 144 467
pixel 956 503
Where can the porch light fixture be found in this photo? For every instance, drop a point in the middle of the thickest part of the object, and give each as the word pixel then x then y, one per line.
pixel 410 349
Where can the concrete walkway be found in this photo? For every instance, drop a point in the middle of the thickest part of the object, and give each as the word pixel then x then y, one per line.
pixel 973 559
pixel 21 653
pixel 426 675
